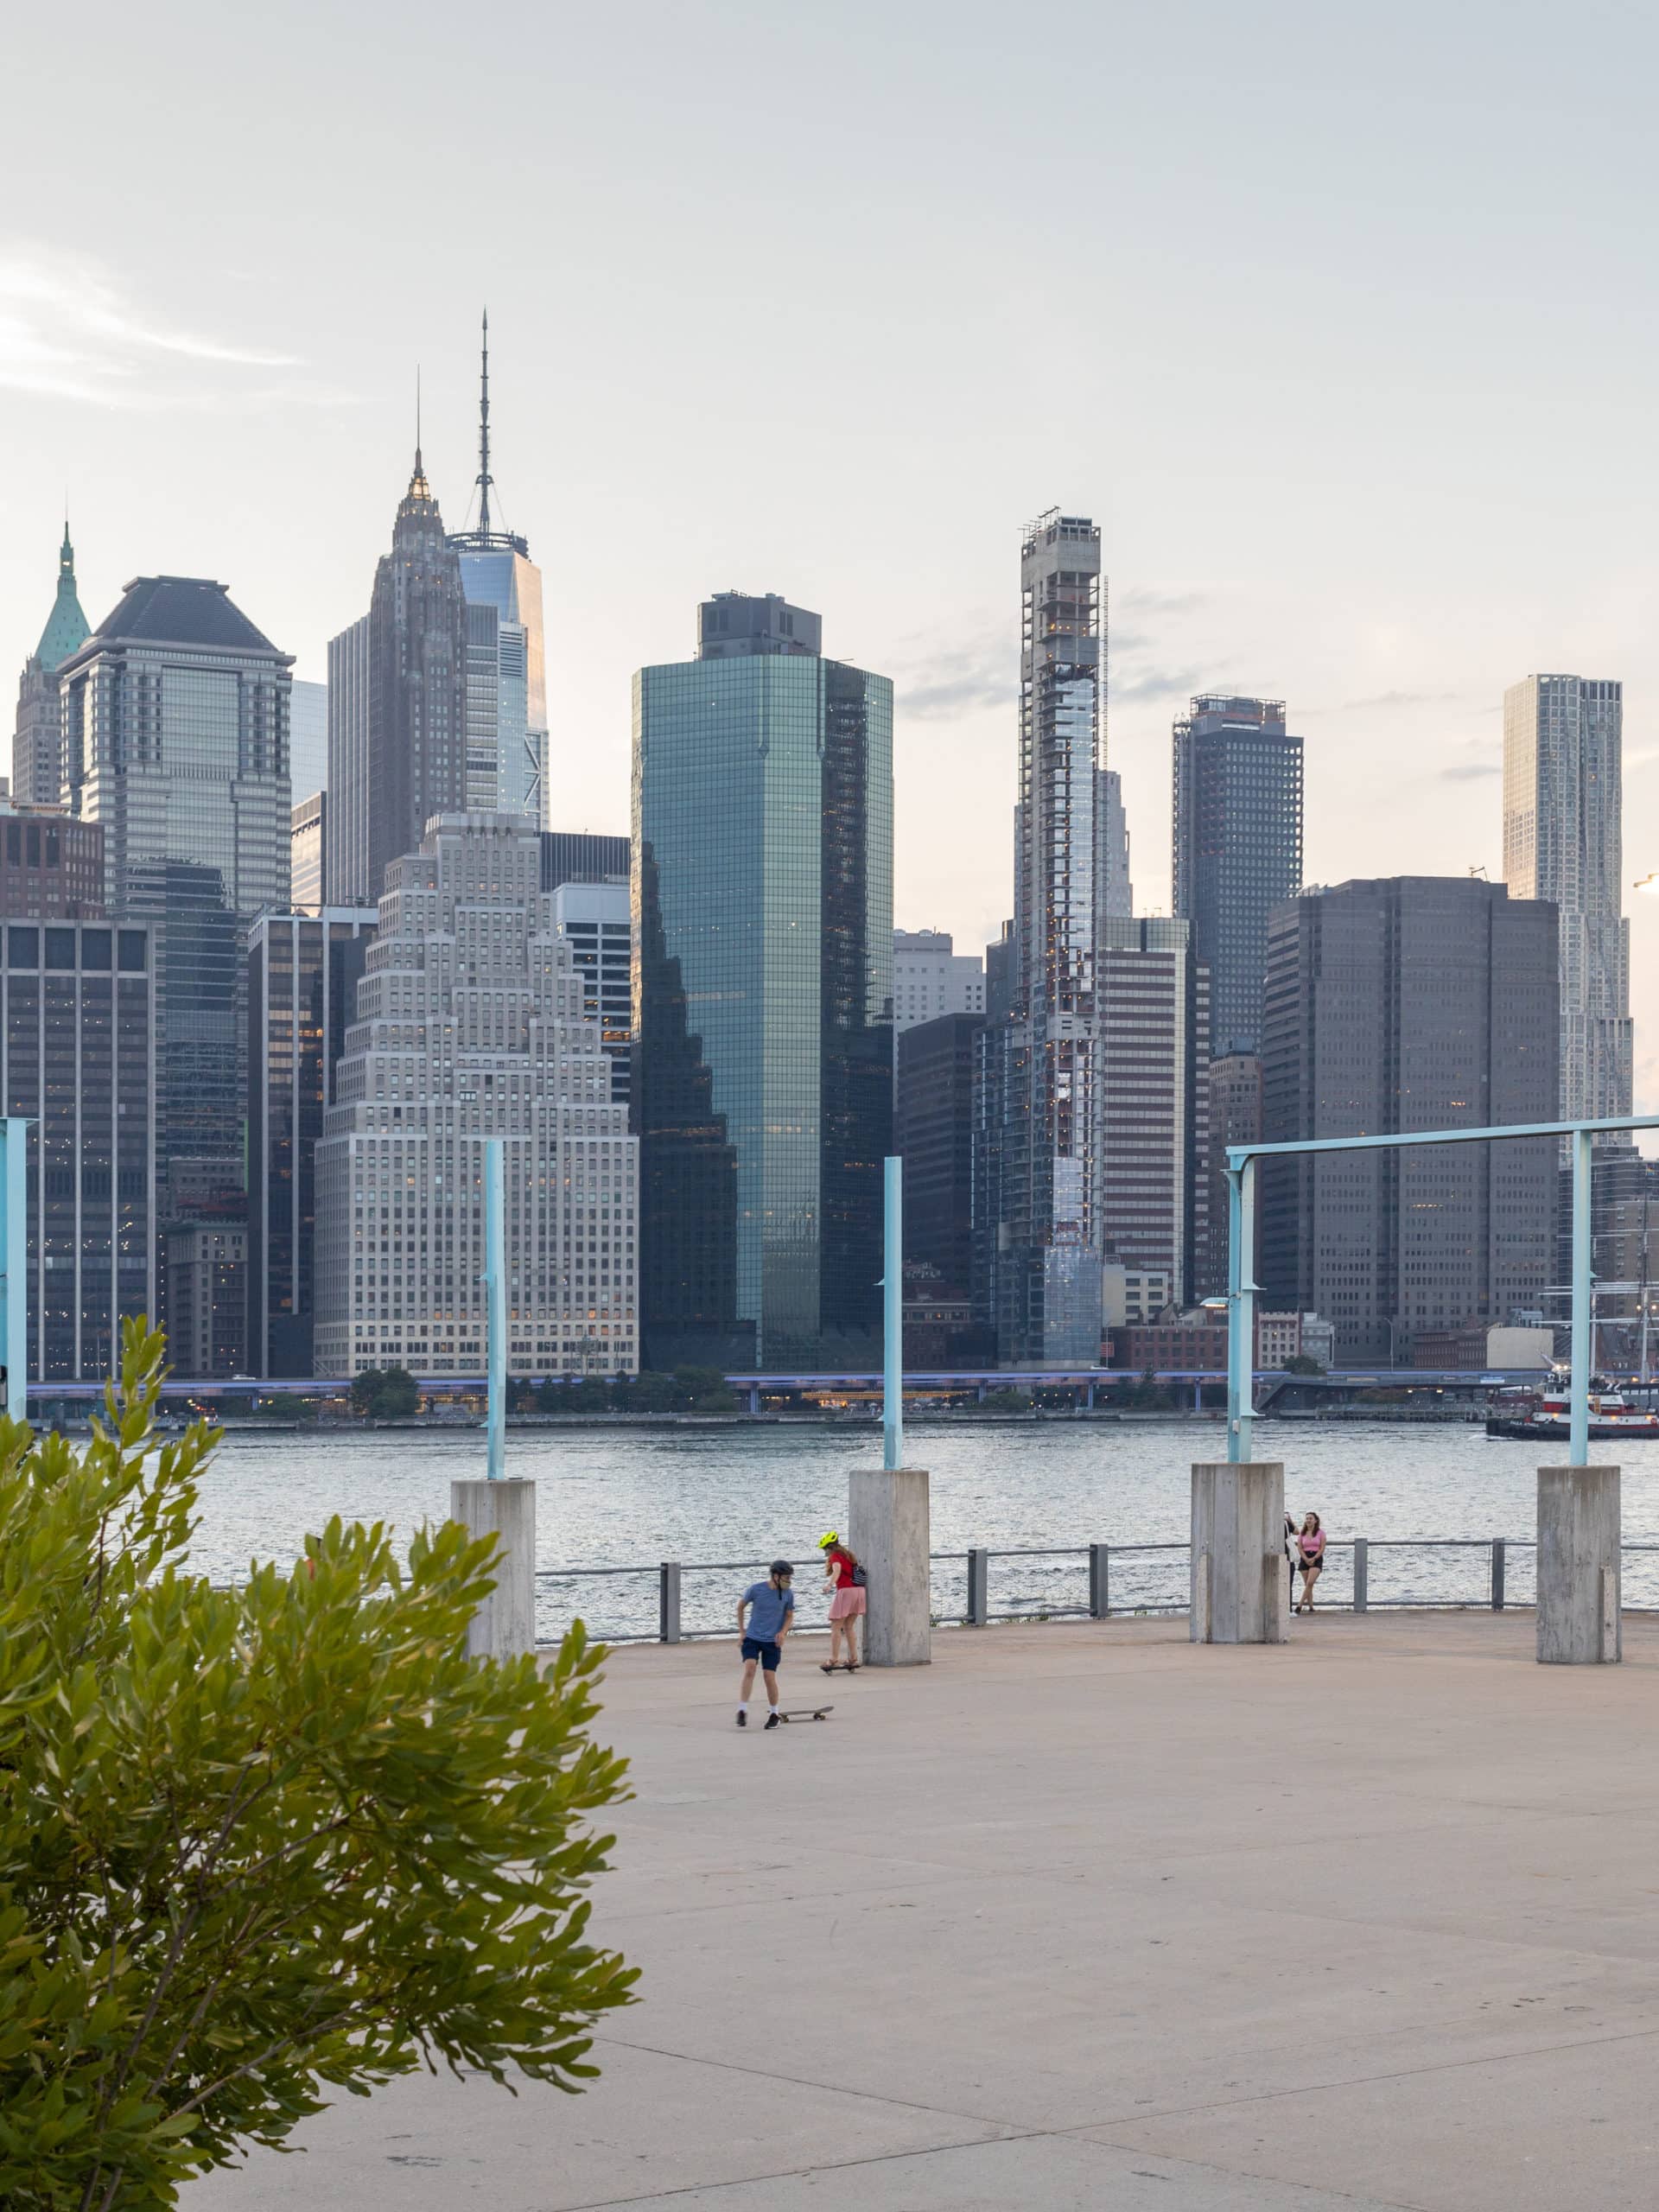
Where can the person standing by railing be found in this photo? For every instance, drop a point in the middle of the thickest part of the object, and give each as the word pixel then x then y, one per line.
pixel 1310 1548
pixel 846 1583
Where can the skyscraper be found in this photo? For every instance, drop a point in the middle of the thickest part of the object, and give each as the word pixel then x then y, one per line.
pixel 37 743
pixel 507 652
pixel 595 921
pixel 930 977
pixel 763 998
pixel 398 704
pixel 1040 1114
pixel 303 970
pixel 1414 1002
pixel 175 729
pixel 1151 1001
pixel 470 1024
pixel 1116 892
pixel 1238 848
pixel 308 751
pixel 1563 739
pixel 934 1136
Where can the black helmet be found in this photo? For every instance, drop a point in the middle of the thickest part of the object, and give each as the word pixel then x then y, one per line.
pixel 782 1566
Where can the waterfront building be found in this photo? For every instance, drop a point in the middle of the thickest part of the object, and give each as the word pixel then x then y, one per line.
pixel 303 970
pixel 934 1136
pixel 1116 890
pixel 175 728
pixel 580 856
pixel 1237 848
pixel 763 999
pixel 38 740
pixel 398 704
pixel 78 1030
pixel 930 978
pixel 1152 1019
pixel 308 846
pixel 207 1296
pixel 1563 741
pixel 1039 1115
pixel 595 921
pixel 1412 1002
pixel 469 1025
pixel 1235 1118
pixel 506 650
pixel 1132 1297
pixel 50 864
pixel 308 737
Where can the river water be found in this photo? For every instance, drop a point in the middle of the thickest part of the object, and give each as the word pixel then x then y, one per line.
pixel 742 1495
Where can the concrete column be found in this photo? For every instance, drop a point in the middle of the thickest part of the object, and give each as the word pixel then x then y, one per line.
pixel 889 1527
pixel 503 1627
pixel 1579 1534
pixel 1238 1552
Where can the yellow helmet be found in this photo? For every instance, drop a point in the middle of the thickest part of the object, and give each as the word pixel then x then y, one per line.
pixel 824 1543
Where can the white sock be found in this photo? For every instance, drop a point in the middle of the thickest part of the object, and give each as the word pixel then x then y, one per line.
pixel 742 1705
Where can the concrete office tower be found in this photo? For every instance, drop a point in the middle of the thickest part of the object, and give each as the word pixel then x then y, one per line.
pixel 581 856
pixel 1238 848
pixel 78 1025
pixel 1116 892
pixel 303 970
pixel 1235 1118
pixel 930 978
pixel 934 1132
pixel 595 921
pixel 175 734
pixel 1414 1002
pixel 506 650
pixel 398 704
pixel 1040 1117
pixel 1563 743
pixel 470 1025
pixel 1151 1016
pixel 37 740
pixel 208 1290
pixel 308 737
pixel 307 847
pixel 51 866
pixel 763 992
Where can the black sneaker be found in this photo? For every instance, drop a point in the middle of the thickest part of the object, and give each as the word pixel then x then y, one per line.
pixel 742 1718
pixel 771 1718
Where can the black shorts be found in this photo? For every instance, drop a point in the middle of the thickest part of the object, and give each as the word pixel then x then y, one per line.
pixel 767 1654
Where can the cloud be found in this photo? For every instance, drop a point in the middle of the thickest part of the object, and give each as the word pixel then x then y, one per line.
pixel 1161 683
pixel 969 691
pixel 68 330
pixel 1465 771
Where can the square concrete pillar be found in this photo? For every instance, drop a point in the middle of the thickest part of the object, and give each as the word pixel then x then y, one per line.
pixel 1578 1536
pixel 889 1526
pixel 503 1627
pixel 1238 1553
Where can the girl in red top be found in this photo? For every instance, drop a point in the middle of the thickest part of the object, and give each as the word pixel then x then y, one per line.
pixel 846 1603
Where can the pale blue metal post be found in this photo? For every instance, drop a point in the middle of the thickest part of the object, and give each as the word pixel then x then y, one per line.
pixel 1241 1306
pixel 14 1263
pixel 1578 1450
pixel 495 1271
pixel 892 1316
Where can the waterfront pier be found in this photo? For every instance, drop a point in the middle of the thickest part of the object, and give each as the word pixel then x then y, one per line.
pixel 1092 1915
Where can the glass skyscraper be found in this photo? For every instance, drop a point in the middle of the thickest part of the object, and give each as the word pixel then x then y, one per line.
pixel 763 992
pixel 1238 849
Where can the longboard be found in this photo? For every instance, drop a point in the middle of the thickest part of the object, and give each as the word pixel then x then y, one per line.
pixel 805 1712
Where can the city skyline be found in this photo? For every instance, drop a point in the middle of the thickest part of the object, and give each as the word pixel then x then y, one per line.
pixel 1369 502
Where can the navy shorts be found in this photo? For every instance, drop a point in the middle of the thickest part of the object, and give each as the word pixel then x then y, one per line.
pixel 767 1654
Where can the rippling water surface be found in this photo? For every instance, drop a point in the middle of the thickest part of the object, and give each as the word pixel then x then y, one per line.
pixel 632 1498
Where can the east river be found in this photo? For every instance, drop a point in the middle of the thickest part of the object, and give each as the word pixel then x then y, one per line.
pixel 635 1496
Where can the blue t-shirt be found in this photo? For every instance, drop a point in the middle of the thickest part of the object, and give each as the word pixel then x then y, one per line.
pixel 768 1610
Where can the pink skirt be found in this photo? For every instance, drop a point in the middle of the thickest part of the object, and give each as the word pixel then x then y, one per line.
pixel 848 1603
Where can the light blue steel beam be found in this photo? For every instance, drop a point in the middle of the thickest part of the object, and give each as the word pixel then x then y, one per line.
pixel 893 1315
pixel 14 1263
pixel 495 1201
pixel 1241 1309
pixel 1241 1299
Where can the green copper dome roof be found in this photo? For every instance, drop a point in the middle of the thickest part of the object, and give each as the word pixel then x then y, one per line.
pixel 67 627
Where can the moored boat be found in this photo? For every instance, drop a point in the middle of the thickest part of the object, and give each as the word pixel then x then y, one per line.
pixel 1544 1416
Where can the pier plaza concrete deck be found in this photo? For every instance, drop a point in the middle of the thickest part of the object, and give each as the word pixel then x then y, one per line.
pixel 1089 1916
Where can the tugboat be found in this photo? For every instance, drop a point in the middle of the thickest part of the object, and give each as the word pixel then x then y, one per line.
pixel 1542 1415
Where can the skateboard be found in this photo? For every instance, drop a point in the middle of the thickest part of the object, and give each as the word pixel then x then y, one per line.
pixel 805 1712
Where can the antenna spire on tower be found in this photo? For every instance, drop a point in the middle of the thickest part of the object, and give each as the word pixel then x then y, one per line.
pixel 484 434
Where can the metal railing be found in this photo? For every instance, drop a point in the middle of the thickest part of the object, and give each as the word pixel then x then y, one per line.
pixel 1086 1582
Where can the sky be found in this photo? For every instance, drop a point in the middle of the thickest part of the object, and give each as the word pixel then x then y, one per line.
pixel 1340 322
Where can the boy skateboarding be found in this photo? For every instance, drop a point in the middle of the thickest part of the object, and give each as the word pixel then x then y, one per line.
pixel 771 1608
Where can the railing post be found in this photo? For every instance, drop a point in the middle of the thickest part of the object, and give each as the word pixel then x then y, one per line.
pixel 1099 1561
pixel 1497 1574
pixel 668 1602
pixel 979 1607
pixel 1361 1573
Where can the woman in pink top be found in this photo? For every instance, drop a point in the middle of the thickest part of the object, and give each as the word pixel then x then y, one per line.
pixel 1310 1551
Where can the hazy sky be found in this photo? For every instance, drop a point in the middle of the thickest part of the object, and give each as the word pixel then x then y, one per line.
pixel 1341 321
